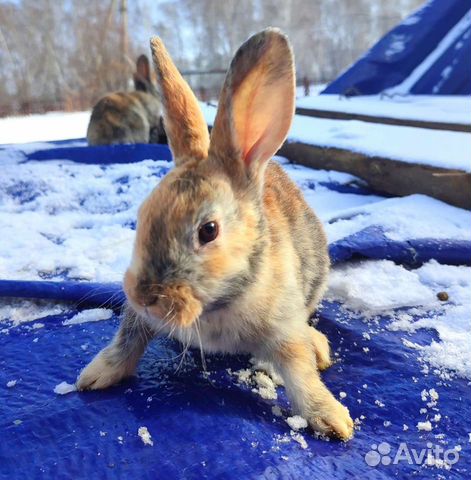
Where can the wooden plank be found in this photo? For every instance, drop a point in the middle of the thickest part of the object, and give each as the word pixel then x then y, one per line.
pixel 404 122
pixel 385 175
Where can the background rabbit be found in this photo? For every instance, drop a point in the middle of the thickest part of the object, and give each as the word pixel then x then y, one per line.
pixel 129 117
pixel 228 255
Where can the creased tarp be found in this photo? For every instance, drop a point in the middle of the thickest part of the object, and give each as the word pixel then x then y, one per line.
pixel 392 60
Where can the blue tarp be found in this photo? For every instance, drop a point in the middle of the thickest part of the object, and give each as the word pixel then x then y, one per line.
pixel 440 24
pixel 206 425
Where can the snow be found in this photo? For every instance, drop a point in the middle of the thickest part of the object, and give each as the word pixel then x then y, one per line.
pixel 296 422
pixel 353 284
pixel 402 219
pixel 364 287
pixel 20 311
pixel 437 148
pixel 44 127
pixel 145 436
pixel 428 108
pixel 64 388
pixel 424 426
pixel 91 315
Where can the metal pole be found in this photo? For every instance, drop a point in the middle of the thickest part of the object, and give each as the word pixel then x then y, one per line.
pixel 124 41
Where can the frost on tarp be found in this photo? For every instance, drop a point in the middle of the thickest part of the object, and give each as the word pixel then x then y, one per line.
pixel 409 299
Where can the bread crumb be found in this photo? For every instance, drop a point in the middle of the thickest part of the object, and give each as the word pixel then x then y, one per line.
pixel 145 436
pixel 297 437
pixel 276 410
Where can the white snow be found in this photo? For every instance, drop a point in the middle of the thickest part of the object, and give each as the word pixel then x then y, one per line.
pixel 20 311
pixel 424 426
pixel 44 127
pixel 376 286
pixel 437 148
pixel 380 286
pixel 64 388
pixel 428 108
pixel 145 436
pixel 90 315
pixel 296 422
pixel 402 219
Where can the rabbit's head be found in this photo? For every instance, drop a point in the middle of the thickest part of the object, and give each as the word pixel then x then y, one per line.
pixel 201 233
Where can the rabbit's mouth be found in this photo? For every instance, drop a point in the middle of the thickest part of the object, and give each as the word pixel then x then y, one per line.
pixel 165 306
pixel 176 306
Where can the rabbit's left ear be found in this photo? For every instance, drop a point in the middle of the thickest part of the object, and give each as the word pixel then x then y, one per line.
pixel 256 105
pixel 184 122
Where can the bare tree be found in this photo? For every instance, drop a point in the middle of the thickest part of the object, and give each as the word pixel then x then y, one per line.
pixel 67 53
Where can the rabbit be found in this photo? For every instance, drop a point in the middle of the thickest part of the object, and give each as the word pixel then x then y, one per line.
pixel 128 117
pixel 228 256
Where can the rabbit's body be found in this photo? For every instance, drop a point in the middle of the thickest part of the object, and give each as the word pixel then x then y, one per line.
pixel 125 117
pixel 228 256
pixel 128 117
pixel 284 273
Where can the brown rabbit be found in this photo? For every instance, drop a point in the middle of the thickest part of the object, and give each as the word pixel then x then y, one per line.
pixel 128 117
pixel 228 255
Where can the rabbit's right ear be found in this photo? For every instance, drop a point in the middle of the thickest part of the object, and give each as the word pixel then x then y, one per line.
pixel 256 106
pixel 184 122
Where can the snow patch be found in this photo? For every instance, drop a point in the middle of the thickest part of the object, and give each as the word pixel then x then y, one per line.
pixel 296 422
pixel 64 388
pixel 91 315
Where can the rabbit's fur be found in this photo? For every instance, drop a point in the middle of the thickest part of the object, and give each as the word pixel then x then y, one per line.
pixel 128 117
pixel 253 288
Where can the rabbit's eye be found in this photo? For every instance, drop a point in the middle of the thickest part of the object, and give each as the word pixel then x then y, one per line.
pixel 208 232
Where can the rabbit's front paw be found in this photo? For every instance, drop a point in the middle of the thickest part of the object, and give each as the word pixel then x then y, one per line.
pixel 101 373
pixel 332 419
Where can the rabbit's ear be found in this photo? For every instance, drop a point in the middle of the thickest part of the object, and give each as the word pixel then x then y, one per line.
pixel 142 81
pixel 143 67
pixel 184 122
pixel 256 106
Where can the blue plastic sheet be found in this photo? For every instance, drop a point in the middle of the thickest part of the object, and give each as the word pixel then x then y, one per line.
pixel 209 426
pixel 206 425
pixel 403 49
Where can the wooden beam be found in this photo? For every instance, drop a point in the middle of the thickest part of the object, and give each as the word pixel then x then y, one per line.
pixel 385 175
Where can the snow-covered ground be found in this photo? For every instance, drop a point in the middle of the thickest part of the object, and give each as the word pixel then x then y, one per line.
pixel 428 108
pixel 39 128
pixel 65 220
